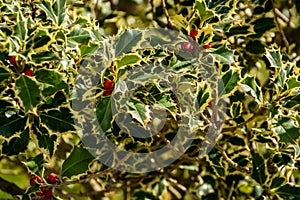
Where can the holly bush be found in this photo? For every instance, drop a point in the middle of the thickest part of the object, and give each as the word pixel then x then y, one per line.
pixel 136 99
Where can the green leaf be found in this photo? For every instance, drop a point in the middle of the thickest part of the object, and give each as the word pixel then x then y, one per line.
pixel 45 140
pixel 236 109
pixel 79 36
pixel 202 95
pixel 53 81
pixel 250 86
pixel 258 171
pixel 50 77
pixel 263 24
pixel 228 82
pixel 281 76
pixel 138 110
pixel 77 163
pixel 88 49
pixel 274 58
pixel 255 47
pixel 286 129
pixel 20 29
pixel 239 30
pixel 104 113
pixel 166 102
pixel 43 57
pixel 277 181
pixel 127 41
pixel 17 144
pixel 47 8
pixel 223 54
pixel 59 9
pixel 4 75
pixel 129 59
pixel 40 41
pixel 291 101
pixel 4 104
pixel 12 124
pixel 56 13
pixel 28 91
pixel 282 159
pixel 287 191
pixel 204 14
pixel 291 83
pixel 184 64
pixel 58 120
pixel 144 195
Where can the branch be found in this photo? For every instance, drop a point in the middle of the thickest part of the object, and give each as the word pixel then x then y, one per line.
pixel 10 188
pixel 170 23
pixel 286 42
pixel 231 162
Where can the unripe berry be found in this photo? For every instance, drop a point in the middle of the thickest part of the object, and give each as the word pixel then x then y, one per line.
pixel 28 72
pixel 193 33
pixel 52 177
pixel 207 46
pixel 12 60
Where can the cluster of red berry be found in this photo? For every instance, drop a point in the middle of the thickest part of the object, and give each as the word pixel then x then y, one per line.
pixel 45 192
pixel 27 72
pixel 186 46
pixel 108 86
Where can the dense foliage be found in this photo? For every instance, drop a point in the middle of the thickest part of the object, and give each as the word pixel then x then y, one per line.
pixel 222 77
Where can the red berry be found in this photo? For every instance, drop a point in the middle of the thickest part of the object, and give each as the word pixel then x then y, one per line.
pixel 193 33
pixel 28 72
pixel 32 181
pixel 12 60
pixel 207 46
pixel 109 85
pixel 43 189
pixel 186 46
pixel 39 179
pixel 107 93
pixel 39 193
pixel 48 193
pixel 52 177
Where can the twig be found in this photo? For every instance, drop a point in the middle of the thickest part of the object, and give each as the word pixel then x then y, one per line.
pixel 231 190
pixel 170 23
pixel 286 42
pixel 153 8
pixel 231 162
pixel 281 15
pixel 229 129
